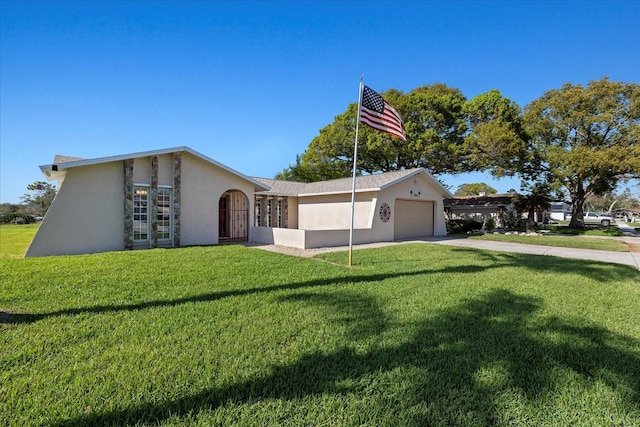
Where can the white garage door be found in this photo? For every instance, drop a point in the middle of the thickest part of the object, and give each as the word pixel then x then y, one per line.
pixel 413 218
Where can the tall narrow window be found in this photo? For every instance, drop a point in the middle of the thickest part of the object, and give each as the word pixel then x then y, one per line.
pixel 280 213
pixel 164 214
pixel 140 214
pixel 269 213
pixel 258 210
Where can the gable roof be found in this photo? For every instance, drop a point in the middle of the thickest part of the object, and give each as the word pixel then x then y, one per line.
pixel 65 159
pixel 61 163
pixel 374 182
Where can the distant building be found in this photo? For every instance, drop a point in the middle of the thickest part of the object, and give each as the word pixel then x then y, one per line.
pixel 560 211
pixel 480 207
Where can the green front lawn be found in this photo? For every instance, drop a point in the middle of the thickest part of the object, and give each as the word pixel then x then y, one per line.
pixel 412 335
pixel 15 239
pixel 568 241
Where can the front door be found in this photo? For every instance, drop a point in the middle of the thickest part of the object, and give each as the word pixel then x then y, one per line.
pixel 233 217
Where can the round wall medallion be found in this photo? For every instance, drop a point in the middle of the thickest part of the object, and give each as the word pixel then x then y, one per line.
pixel 385 212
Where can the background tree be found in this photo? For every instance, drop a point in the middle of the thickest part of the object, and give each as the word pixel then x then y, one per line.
pixel 6 208
pixel 497 140
pixel 588 138
pixel 434 124
pixel 611 201
pixel 38 201
pixel 538 200
pixel 474 189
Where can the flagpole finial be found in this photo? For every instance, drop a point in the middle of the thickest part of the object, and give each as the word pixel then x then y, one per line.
pixel 361 77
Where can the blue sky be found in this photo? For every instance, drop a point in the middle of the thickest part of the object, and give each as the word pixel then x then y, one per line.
pixel 251 83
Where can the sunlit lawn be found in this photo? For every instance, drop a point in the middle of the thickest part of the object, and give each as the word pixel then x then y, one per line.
pixel 15 239
pixel 580 242
pixel 412 335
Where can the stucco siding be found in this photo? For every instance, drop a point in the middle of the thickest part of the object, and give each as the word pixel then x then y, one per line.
pixel 333 212
pixel 86 214
pixel 310 239
pixel 420 189
pixel 202 186
pixel 165 170
pixel 142 170
pixel 292 212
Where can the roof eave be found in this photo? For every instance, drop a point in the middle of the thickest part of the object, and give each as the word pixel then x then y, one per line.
pixel 330 193
pixel 48 170
pixel 445 193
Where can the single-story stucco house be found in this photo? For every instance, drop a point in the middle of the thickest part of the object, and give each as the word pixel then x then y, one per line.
pixel 179 197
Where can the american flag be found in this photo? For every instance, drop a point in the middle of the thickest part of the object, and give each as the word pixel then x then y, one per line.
pixel 376 113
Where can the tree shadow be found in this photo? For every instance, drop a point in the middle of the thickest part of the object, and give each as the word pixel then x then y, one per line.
pixel 599 270
pixel 487 260
pixel 444 358
pixel 17 318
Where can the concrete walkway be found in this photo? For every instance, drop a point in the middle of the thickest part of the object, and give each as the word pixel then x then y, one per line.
pixel 627 258
pixel 631 258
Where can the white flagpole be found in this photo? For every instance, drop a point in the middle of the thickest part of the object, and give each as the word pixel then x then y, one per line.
pixel 355 162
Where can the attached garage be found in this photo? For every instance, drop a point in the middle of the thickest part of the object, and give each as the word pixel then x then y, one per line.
pixel 413 218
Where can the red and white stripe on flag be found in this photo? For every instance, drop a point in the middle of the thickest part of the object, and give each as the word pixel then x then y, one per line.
pixel 376 113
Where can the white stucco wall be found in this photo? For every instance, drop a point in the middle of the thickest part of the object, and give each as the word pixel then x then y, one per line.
pixel 310 239
pixel 325 220
pixel 86 215
pixel 202 185
pixel 416 188
pixel 333 212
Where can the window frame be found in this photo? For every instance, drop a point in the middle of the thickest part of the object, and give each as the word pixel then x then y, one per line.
pixel 140 204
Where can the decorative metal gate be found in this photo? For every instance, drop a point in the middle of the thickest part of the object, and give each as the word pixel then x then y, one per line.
pixel 233 217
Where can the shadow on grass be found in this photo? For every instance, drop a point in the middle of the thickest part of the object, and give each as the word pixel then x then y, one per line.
pixel 453 369
pixel 603 272
pixel 214 296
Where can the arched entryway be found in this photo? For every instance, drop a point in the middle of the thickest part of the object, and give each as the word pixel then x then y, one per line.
pixel 233 217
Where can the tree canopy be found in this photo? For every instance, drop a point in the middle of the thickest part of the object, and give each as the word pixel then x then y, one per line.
pixel 575 140
pixel 475 189
pixel 434 124
pixel 587 138
pixel 39 199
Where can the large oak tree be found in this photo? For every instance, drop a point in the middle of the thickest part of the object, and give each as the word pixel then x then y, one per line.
pixel 434 124
pixel 588 138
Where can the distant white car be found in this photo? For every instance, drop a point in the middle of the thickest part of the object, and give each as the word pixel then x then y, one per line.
pixel 594 218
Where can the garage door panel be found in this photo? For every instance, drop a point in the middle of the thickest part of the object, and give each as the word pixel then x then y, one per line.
pixel 413 218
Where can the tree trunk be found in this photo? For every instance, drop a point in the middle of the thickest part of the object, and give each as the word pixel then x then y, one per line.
pixel 577 210
pixel 530 221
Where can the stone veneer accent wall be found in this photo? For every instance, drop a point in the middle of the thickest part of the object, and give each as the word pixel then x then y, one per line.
pixel 128 201
pixel 128 204
pixel 177 176
pixel 154 201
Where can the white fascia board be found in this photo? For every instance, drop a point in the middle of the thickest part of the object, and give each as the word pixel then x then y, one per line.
pixel 445 193
pixel 50 173
pixel 329 193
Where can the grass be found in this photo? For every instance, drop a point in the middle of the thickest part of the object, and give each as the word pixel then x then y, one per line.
pixel 15 239
pixel 412 335
pixel 567 241
pixel 590 230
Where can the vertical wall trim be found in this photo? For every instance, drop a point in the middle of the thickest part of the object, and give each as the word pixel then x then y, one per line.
pixel 128 204
pixel 153 190
pixel 177 177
